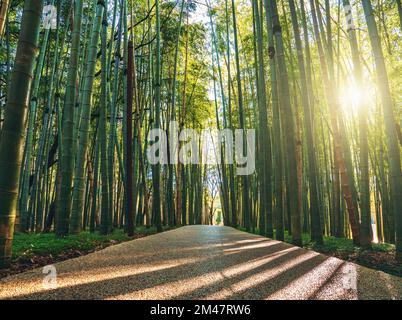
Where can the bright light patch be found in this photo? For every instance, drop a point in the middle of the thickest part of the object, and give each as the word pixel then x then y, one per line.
pixel 351 97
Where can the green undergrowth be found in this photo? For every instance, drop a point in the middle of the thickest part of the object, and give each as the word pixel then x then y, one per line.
pixel 380 256
pixel 332 244
pixel 26 245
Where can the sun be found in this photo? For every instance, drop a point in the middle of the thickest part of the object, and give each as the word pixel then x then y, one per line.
pixel 351 97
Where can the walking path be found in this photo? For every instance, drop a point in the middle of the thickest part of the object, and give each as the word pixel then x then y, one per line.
pixel 204 262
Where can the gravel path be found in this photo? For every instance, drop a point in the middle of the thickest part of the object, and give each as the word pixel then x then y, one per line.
pixel 205 262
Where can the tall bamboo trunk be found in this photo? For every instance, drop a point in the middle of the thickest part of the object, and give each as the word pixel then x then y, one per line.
pixel 79 176
pixel 174 215
pixel 105 221
pixel 13 131
pixel 264 156
pixel 129 142
pixel 289 129
pixel 182 118
pixel 26 182
pixel 232 181
pixel 399 4
pixel 276 124
pixel 242 120
pixel 156 202
pixel 3 16
pixel 67 156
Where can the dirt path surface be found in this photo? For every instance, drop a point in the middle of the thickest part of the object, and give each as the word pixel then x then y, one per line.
pixel 204 262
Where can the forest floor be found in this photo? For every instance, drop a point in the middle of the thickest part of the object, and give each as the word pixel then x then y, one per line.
pixel 380 257
pixel 33 250
pixel 204 262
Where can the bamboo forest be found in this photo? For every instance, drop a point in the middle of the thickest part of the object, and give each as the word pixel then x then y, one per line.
pixel 201 136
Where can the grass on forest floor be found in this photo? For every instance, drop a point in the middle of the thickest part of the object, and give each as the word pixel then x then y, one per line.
pixel 380 256
pixel 31 250
pixel 30 244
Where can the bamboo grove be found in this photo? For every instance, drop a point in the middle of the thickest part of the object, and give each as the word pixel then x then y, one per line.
pixel 319 80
